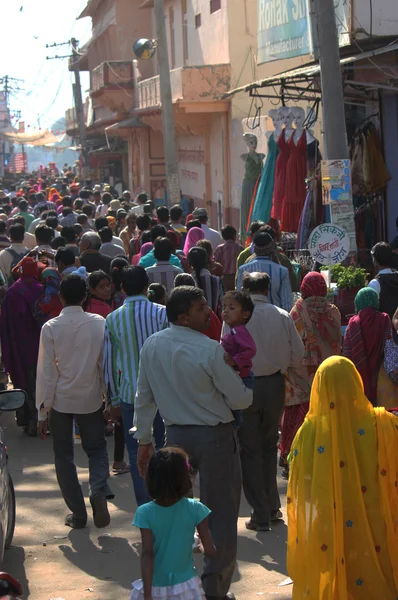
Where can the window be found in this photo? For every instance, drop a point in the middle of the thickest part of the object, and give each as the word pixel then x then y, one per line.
pixel 185 31
pixel 172 39
pixel 198 20
pixel 215 5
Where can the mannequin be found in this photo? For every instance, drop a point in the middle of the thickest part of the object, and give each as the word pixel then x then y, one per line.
pixel 296 172
pixel 253 167
pixel 286 119
pixel 262 203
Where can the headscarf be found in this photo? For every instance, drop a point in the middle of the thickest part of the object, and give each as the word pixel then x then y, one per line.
pixel 342 499
pixel 193 236
pixel 49 304
pixel 189 218
pixel 313 284
pixel 365 338
pixel 366 298
pixel 27 267
pixel 145 249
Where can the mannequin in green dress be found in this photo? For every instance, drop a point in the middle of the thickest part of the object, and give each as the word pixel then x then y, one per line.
pixel 253 167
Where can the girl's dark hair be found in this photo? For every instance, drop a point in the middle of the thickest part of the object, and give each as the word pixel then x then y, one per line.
pixel 145 237
pixel 168 476
pixel 92 281
pixel 198 259
pixel 117 266
pixel 193 223
pixel 95 278
pixel 157 293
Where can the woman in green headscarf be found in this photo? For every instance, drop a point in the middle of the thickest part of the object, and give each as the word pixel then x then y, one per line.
pixel 365 337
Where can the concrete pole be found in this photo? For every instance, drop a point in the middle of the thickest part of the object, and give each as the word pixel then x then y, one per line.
pixel 169 135
pixel 77 90
pixel 333 114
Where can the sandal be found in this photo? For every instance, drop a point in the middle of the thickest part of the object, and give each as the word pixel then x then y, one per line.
pixel 124 468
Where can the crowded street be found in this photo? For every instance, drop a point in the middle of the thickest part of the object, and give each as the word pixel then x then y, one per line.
pixel 199 300
pixel 53 563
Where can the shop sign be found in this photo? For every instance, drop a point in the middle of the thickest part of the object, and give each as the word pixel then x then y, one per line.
pixel 336 181
pixel 284 28
pixel 329 244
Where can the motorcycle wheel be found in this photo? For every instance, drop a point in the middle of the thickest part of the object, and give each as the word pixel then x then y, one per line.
pixel 11 513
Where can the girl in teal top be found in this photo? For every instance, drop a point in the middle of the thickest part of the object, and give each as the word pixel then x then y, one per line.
pixel 167 527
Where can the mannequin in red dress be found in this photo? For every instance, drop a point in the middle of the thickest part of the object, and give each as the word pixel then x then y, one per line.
pixel 284 114
pixel 296 173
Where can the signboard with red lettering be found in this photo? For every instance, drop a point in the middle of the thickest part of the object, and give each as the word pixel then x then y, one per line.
pixel 329 244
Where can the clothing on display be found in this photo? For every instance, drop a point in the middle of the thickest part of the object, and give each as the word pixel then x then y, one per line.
pixel 369 175
pixel 295 189
pixel 253 169
pixel 280 176
pixel 262 201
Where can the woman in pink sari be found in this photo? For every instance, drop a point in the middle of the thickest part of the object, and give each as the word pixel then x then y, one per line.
pixel 319 324
pixel 193 236
pixel 145 249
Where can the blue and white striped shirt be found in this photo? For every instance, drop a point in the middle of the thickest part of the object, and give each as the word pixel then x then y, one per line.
pixel 280 290
pixel 126 330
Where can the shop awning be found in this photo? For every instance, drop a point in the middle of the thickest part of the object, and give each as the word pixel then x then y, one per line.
pixel 306 73
pixel 39 138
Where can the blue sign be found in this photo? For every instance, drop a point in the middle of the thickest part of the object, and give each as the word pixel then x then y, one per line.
pixel 283 30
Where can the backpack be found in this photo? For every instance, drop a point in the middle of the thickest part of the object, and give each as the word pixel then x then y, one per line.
pixel 16 257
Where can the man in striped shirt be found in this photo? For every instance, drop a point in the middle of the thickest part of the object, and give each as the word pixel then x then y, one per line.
pixel 266 261
pixel 163 271
pixel 126 330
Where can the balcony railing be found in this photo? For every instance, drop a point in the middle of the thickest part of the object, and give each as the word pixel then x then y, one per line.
pixel 112 75
pixel 205 83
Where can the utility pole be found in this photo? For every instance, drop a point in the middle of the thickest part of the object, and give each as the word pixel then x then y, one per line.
pixel 77 93
pixel 10 84
pixel 169 135
pixel 333 114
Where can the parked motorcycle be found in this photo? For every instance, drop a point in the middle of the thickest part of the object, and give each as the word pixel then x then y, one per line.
pixel 10 588
pixel 10 400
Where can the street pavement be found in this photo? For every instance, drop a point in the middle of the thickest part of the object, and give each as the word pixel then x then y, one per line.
pixel 54 562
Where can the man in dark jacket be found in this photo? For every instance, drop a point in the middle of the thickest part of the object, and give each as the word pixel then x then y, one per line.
pixel 386 281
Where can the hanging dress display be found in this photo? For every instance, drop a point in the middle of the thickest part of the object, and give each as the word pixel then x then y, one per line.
pixel 295 194
pixel 280 177
pixel 263 200
pixel 253 170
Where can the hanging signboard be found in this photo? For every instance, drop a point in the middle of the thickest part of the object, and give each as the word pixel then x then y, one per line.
pixel 329 244
pixel 336 181
pixel 284 29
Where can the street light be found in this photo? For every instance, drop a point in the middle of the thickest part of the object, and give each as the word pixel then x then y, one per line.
pixel 145 48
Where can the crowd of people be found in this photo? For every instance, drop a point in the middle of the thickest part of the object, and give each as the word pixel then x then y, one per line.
pixel 116 316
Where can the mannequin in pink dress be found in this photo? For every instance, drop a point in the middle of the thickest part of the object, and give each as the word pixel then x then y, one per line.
pixel 286 119
pixel 296 173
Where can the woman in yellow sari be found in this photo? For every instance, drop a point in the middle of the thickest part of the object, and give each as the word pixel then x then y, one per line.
pixel 342 495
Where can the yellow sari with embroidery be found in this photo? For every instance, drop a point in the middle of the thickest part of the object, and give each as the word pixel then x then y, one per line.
pixel 342 495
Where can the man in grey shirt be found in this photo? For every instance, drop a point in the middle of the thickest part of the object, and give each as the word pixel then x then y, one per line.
pixel 279 347
pixel 183 374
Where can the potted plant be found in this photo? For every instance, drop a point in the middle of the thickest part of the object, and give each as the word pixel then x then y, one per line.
pixel 335 270
pixel 350 280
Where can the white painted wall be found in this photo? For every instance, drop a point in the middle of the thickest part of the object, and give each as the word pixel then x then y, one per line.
pixel 385 16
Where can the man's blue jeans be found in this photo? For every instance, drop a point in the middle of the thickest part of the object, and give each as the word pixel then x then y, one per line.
pixel 141 493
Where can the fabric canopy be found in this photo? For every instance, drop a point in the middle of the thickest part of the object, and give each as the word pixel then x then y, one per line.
pixel 37 138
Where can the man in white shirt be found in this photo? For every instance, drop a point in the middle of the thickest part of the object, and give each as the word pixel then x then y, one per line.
pixel 11 256
pixel 212 235
pixel 29 239
pixel 183 374
pixel 70 386
pixel 279 347
pixel 108 247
